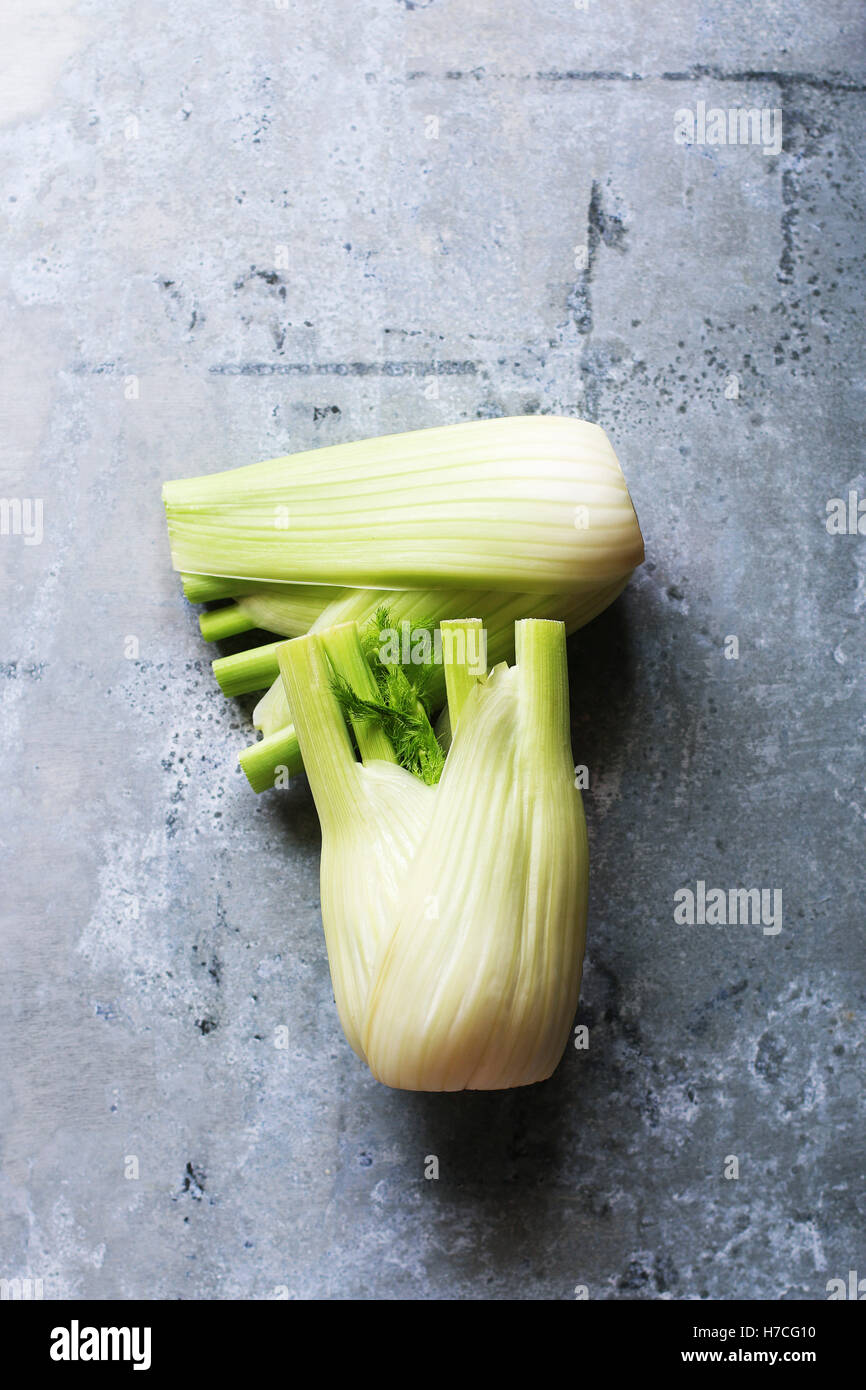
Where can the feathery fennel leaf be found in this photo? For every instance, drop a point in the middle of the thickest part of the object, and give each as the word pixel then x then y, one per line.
pixel 403 720
pixel 402 709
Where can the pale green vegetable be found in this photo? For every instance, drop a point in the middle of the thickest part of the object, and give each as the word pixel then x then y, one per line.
pixel 528 504
pixel 507 519
pixel 454 915
pixel 454 854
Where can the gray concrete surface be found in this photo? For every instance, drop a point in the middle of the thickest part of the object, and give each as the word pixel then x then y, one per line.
pixel 232 232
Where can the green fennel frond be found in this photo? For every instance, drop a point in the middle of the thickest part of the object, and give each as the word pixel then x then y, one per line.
pixel 402 718
pixel 402 710
pixel 418 673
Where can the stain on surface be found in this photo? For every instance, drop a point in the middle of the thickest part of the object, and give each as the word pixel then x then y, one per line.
pixel 770 1058
pixel 603 228
pixel 194 1182
pixel 404 368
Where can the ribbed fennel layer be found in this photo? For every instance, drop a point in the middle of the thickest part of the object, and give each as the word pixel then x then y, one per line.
pixel 528 504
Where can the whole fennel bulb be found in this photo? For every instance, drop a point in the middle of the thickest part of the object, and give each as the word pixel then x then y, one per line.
pixel 506 519
pixel 455 915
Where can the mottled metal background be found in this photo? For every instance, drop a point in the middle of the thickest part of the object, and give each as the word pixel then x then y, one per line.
pixel 234 231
